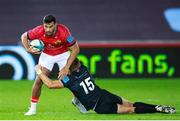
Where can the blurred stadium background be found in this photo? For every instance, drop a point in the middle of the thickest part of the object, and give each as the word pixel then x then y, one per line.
pixel 118 38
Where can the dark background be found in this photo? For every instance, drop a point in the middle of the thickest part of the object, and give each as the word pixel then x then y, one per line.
pixel 91 20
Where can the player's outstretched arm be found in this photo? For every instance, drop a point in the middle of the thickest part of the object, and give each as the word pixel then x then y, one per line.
pixel 74 51
pixel 47 81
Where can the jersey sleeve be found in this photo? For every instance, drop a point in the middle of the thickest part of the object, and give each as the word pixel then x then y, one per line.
pixel 33 33
pixel 69 38
pixel 65 81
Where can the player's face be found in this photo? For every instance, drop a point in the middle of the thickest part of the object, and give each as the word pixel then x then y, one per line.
pixel 49 28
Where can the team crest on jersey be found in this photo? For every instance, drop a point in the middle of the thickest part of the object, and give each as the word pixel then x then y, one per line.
pixel 58 42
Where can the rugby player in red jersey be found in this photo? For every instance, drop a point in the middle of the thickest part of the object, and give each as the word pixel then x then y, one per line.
pixel 58 42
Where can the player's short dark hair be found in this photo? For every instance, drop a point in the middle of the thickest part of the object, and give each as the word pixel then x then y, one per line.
pixel 74 64
pixel 49 18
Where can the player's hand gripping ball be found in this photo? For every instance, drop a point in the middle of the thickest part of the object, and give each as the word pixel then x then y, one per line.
pixel 37 45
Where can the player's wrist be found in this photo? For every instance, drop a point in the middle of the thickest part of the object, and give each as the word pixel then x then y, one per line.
pixel 67 66
pixel 28 48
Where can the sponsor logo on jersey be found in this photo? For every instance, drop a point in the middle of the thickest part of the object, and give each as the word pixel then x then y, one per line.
pixel 58 42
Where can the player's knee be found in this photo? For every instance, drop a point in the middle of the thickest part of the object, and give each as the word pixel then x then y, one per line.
pixel 127 103
pixel 124 109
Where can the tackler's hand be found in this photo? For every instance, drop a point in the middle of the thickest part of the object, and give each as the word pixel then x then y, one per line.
pixel 63 72
pixel 38 69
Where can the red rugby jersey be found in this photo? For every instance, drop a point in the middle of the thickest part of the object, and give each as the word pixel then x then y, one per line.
pixel 56 44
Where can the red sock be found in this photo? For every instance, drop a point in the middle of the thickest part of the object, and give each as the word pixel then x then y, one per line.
pixel 34 99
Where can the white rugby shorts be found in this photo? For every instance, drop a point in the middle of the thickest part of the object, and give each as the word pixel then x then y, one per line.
pixel 48 61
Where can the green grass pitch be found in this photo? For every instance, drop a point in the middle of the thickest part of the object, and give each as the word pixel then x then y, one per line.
pixel 56 104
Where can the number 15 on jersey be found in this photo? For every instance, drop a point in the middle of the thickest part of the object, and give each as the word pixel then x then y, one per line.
pixel 87 85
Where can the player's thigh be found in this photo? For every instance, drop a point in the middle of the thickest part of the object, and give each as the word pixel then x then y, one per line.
pixel 38 81
pixel 106 108
pixel 46 61
pixel 45 71
pixel 108 103
pixel 62 59
pixel 112 98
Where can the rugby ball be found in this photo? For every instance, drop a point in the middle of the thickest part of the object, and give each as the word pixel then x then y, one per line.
pixel 37 45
